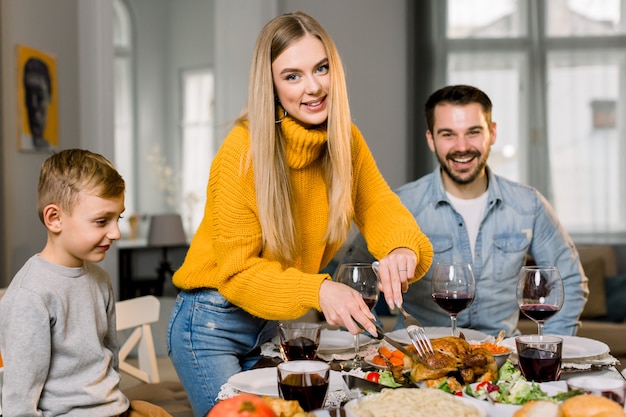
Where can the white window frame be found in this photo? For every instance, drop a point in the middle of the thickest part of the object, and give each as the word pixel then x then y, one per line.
pixel 534 46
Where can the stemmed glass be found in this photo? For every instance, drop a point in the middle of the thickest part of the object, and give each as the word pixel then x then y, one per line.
pixel 453 288
pixel 540 293
pixel 361 277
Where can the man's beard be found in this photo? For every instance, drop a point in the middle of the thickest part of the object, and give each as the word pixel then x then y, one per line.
pixel 471 175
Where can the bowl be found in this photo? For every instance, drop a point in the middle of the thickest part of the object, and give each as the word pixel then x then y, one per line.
pixel 501 358
pixel 499 352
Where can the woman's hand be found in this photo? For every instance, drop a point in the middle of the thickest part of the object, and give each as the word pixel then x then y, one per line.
pixel 342 306
pixel 395 270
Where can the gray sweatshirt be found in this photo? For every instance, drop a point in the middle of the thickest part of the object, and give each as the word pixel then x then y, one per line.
pixel 58 343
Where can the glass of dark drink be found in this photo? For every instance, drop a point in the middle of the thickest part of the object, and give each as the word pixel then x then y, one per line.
pixel 539 357
pixel 453 288
pixel 304 381
pixel 540 293
pixel 361 277
pixel 298 340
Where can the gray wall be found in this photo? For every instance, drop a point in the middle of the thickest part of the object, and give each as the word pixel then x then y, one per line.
pixel 371 38
pixel 56 33
pixel 370 35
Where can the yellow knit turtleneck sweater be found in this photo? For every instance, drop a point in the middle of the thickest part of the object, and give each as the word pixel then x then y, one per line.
pixel 226 252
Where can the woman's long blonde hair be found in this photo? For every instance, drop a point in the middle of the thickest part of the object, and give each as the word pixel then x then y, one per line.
pixel 273 189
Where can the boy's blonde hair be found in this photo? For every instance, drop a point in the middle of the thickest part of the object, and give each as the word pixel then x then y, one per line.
pixel 273 189
pixel 65 174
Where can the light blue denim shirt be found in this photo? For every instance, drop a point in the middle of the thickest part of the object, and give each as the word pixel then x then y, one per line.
pixel 518 220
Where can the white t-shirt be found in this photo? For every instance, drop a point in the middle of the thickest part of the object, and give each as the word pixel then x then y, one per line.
pixel 472 211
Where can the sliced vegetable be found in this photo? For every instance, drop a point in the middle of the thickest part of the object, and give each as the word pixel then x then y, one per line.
pixel 378 360
pixel 373 376
pixel 387 379
pixel 385 351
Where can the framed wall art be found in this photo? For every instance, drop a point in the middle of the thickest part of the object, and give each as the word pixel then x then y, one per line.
pixel 38 124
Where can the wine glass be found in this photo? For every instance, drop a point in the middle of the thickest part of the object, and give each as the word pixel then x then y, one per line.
pixel 361 277
pixel 453 288
pixel 540 293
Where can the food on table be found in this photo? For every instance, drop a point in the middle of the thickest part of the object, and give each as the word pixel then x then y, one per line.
pixel 285 408
pixel 539 408
pixel 373 376
pixel 455 358
pixel 584 405
pixel 382 377
pixel 512 388
pixel 588 405
pixel 386 355
pixel 492 347
pixel 402 402
pixel 242 405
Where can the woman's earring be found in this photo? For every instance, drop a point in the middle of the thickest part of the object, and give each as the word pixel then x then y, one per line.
pixel 282 118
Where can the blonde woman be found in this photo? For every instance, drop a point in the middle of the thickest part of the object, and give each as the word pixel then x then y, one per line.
pixel 284 189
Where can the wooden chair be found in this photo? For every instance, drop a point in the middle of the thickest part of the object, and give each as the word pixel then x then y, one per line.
pixel 138 313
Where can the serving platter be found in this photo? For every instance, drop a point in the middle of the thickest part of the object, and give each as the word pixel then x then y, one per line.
pixel 574 347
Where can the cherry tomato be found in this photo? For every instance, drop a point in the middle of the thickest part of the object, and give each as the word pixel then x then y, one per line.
pixel 373 376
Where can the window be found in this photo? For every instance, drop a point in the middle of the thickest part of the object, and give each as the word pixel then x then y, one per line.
pixel 198 143
pixel 555 71
pixel 124 120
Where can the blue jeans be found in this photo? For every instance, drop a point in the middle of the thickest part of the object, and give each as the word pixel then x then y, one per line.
pixel 209 340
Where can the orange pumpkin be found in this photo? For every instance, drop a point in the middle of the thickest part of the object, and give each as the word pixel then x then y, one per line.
pixel 242 405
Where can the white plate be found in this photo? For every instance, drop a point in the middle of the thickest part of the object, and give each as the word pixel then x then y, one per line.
pixel 264 381
pixel 574 347
pixel 334 341
pixel 507 410
pixel 482 409
pixel 471 335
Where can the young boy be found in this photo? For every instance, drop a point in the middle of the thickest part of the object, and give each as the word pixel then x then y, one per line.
pixel 57 317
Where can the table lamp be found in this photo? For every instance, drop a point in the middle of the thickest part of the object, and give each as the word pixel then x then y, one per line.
pixel 166 230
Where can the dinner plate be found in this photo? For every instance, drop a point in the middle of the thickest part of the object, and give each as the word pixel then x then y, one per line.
pixel 507 410
pixel 482 409
pixel 471 335
pixel 333 341
pixel 264 381
pixel 574 347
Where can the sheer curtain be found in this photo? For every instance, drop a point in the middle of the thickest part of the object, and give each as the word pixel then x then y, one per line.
pixel 555 73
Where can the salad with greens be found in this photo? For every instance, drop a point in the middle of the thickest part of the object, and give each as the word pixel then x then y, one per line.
pixel 512 388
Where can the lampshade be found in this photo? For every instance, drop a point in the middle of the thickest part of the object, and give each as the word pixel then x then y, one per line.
pixel 166 230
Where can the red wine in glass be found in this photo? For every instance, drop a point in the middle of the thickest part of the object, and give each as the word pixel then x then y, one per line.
pixel 370 302
pixel 540 365
pixel 299 348
pixel 453 303
pixel 540 293
pixel 453 288
pixel 362 278
pixel 311 395
pixel 539 312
